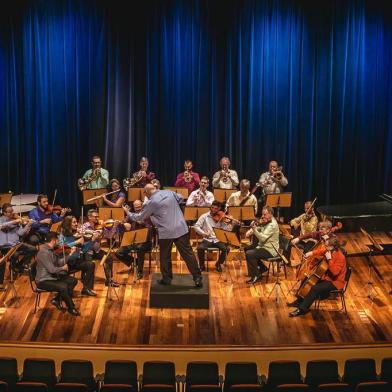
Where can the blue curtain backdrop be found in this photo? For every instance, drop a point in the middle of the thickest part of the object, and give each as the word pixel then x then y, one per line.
pixel 306 83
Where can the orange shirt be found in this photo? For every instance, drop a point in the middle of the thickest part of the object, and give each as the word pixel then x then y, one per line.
pixel 336 272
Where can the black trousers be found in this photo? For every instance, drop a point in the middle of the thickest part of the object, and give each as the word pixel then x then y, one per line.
pixel 186 252
pixel 64 286
pixel 306 246
pixel 87 266
pixel 140 249
pixel 253 262
pixel 320 289
pixel 204 245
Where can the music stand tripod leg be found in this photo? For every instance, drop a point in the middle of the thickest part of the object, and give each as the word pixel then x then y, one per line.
pixel 277 287
pixel 371 291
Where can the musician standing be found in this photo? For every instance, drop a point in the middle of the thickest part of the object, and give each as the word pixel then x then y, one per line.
pixel 43 218
pixel 333 279
pixel 11 233
pixel 116 199
pixel 52 274
pixel 188 178
pixel 307 223
pixel 166 215
pixel 273 181
pixel 142 177
pixel 267 232
pixel 205 227
pixel 225 178
pixel 201 197
pixel 96 177
pixel 243 197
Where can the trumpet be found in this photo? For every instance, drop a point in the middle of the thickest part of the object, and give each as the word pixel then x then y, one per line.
pixel 278 174
pixel 225 175
pixel 187 176
pixel 133 180
pixel 84 182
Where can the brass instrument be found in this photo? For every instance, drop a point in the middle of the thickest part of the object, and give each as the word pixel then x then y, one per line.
pixel 187 176
pixel 278 174
pixel 133 180
pixel 84 182
pixel 225 177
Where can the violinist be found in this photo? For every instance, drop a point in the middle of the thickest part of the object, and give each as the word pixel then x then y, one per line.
pixel 52 274
pixel 333 279
pixel 43 217
pixel 96 177
pixel 205 227
pixel 267 233
pixel 273 181
pixel 12 231
pixel 78 261
pixel 140 249
pixel 243 197
pixel 225 178
pixel 325 231
pixel 116 199
pixel 88 229
pixel 201 197
pixel 307 223
pixel 188 178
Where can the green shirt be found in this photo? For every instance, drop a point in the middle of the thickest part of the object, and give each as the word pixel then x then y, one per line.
pixel 268 236
pixel 101 181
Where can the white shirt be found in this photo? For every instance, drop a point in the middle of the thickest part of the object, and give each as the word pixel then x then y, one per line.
pixel 205 227
pixel 199 199
pixel 235 200
pixel 232 180
pixel 271 185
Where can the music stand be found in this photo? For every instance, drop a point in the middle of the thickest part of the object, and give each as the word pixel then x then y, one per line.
pixel 223 194
pixel 90 193
pixel 242 213
pixel 116 213
pixel 135 194
pixel 5 198
pixel 278 200
pixel 193 213
pixel 134 237
pixel 182 191
pixel 228 238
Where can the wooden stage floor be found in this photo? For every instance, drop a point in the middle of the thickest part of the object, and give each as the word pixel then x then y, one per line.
pixel 239 314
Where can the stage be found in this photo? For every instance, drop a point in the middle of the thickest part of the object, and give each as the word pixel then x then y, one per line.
pixel 238 315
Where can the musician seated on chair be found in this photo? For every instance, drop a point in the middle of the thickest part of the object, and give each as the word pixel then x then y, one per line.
pixel 78 261
pixel 12 231
pixel 267 233
pixel 201 197
pixel 333 279
pixel 116 199
pixel 225 178
pixel 307 223
pixel 52 274
pixel 243 197
pixel 96 177
pixel 91 229
pixel 205 227
pixel 140 249
pixel 43 218
pixel 188 178
pixel 324 232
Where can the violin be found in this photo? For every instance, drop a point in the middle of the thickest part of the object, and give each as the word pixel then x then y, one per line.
pixel 57 209
pixel 60 250
pixel 220 215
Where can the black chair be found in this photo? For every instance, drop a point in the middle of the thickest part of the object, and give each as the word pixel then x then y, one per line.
pixel 39 370
pixel 9 371
pixel 321 372
pixel 293 388
pixel 116 388
pixel 70 387
pixel 34 288
pixel 359 370
pixel 3 386
pixel 31 387
pixel 338 293
pixel 159 376
pixel 375 386
pixel 334 387
pixel 78 371
pixel 279 261
pixel 240 375
pixel 202 376
pixel 121 372
pixel 283 372
pixel 386 370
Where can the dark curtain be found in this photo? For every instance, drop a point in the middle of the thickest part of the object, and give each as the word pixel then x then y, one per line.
pixel 305 83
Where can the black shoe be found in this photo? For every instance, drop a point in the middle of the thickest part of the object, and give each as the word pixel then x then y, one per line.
pixel 57 303
pixel 112 283
pixel 254 280
pixel 199 282
pixel 139 275
pixel 296 312
pixel 164 282
pixel 74 312
pixel 218 267
pixel 294 304
pixel 202 267
pixel 89 293
pixel 262 268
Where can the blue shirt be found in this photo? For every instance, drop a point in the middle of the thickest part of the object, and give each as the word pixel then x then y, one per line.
pixel 9 235
pixel 165 214
pixel 38 215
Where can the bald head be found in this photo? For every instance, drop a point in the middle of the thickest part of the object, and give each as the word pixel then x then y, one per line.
pixel 149 189
pixel 137 205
